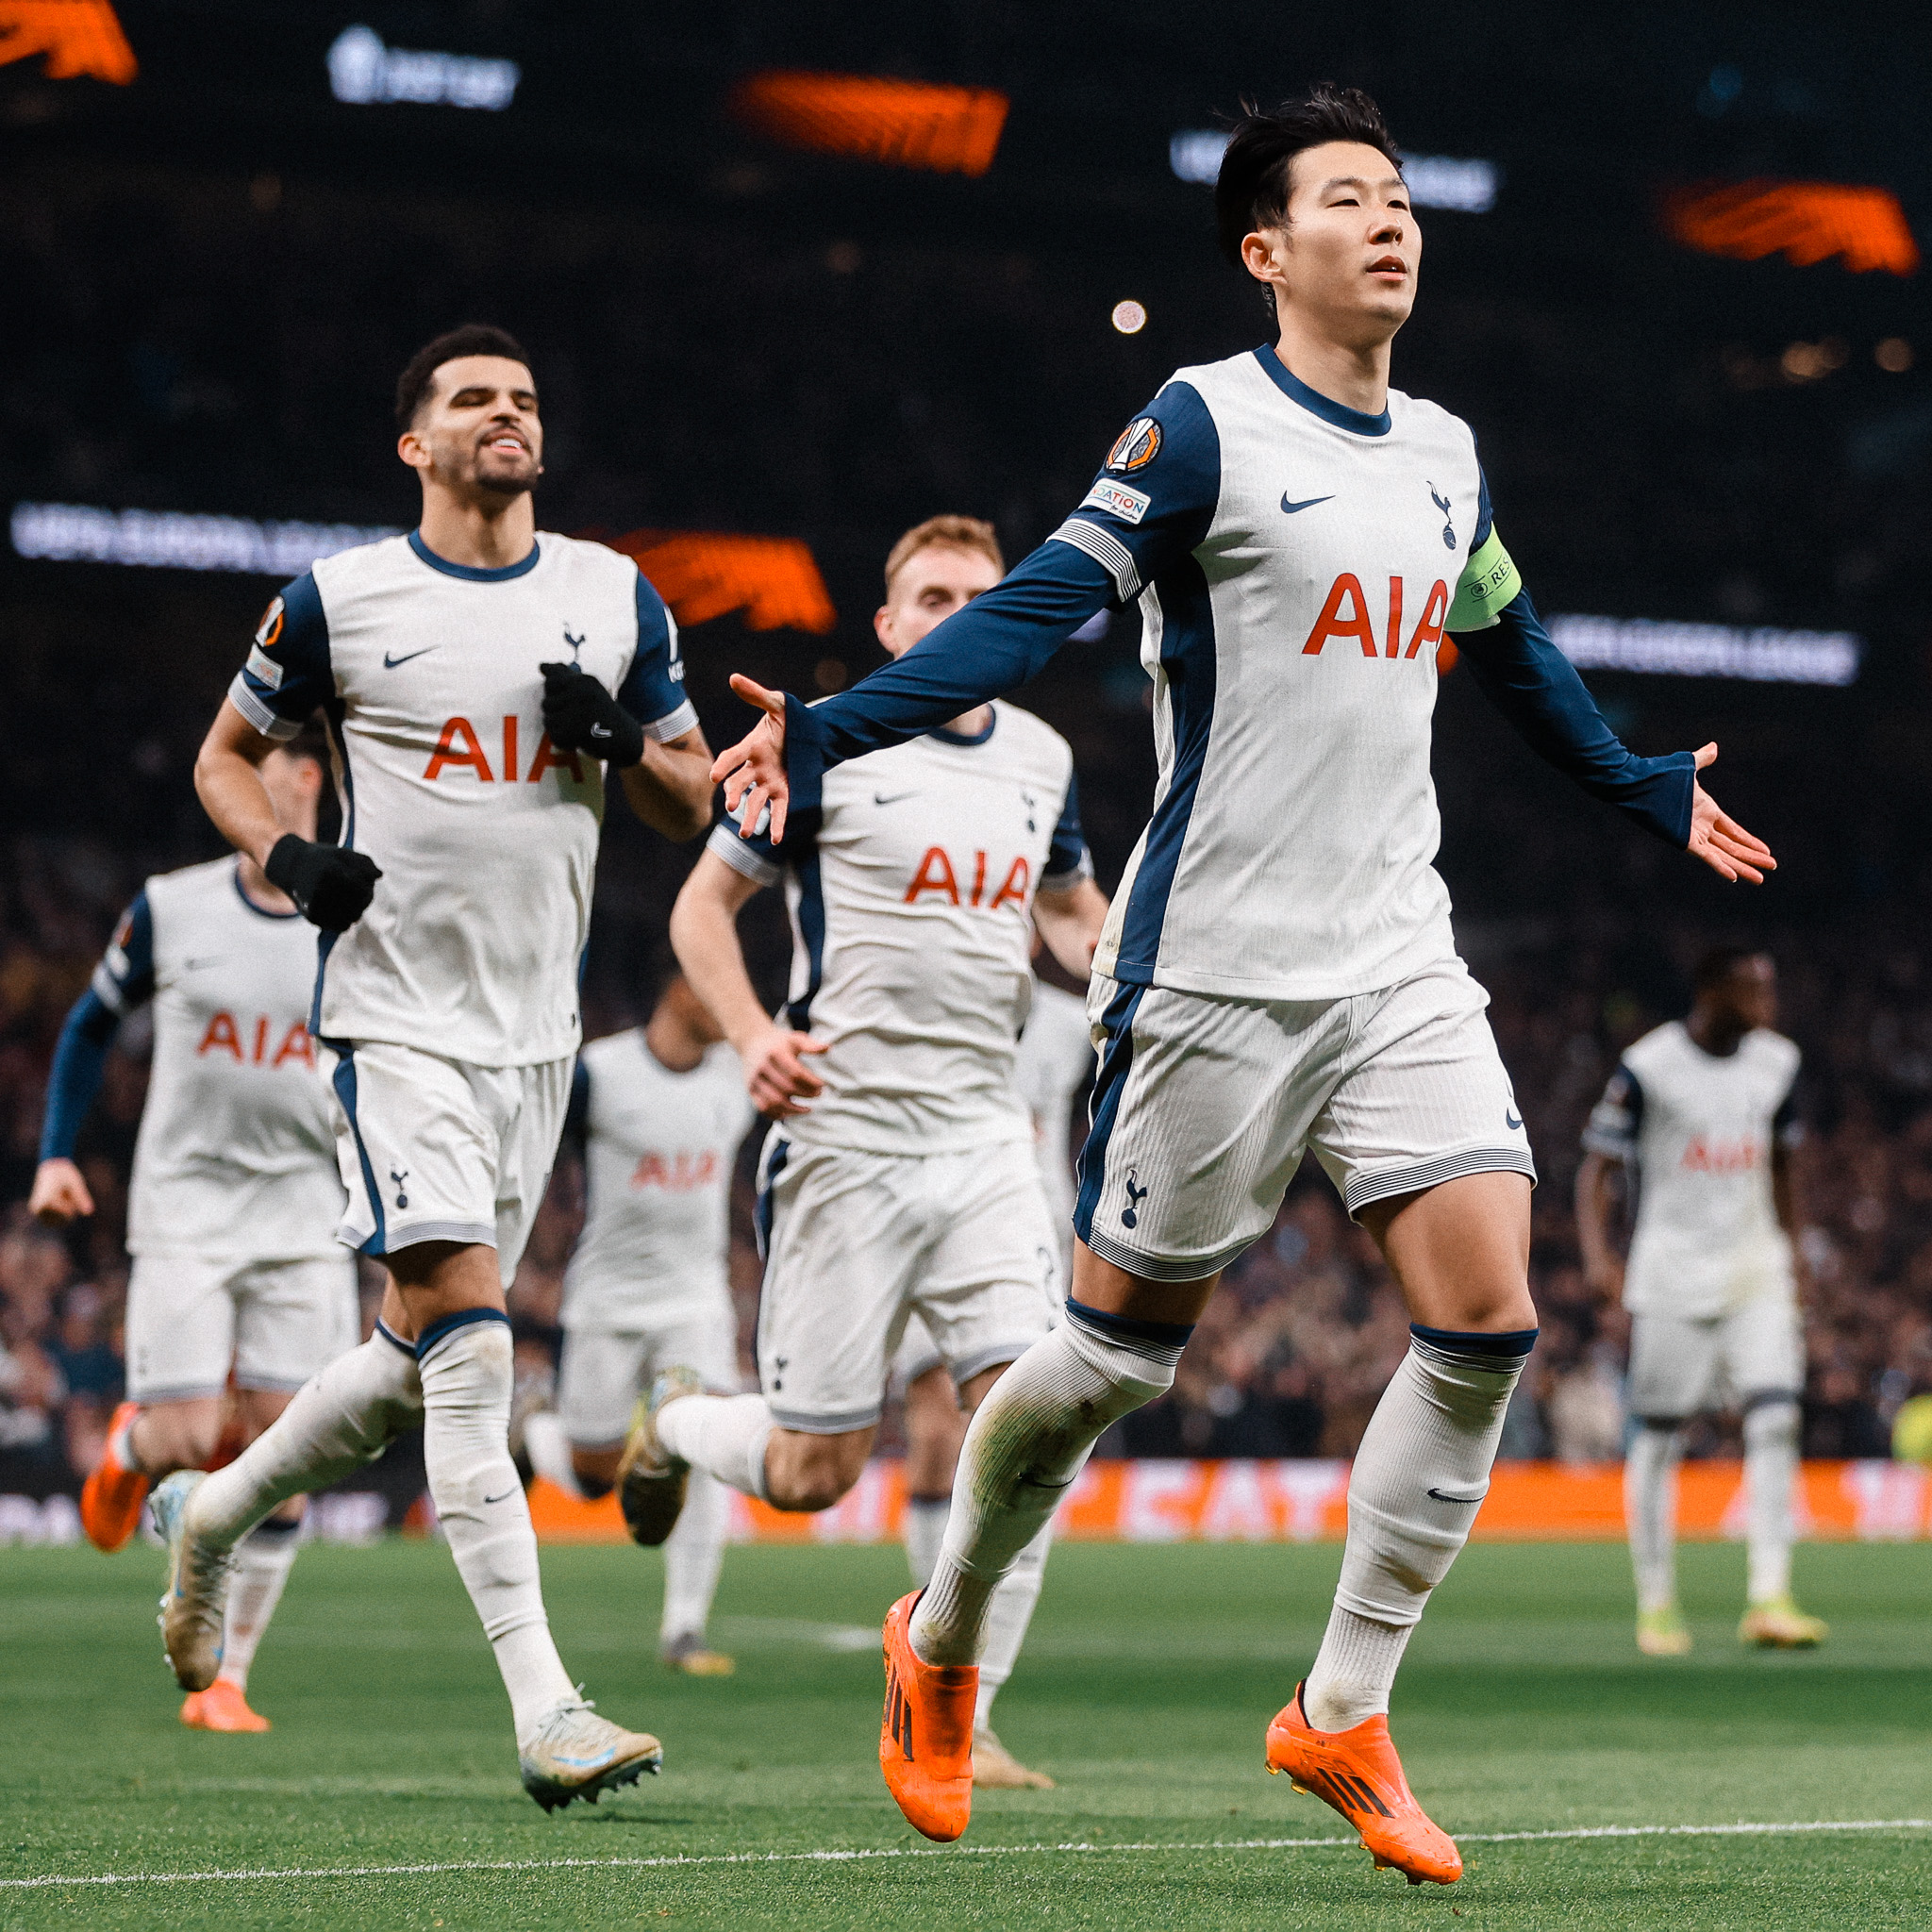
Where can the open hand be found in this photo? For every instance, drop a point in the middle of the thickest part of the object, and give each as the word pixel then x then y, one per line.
pixel 1719 840
pixel 753 771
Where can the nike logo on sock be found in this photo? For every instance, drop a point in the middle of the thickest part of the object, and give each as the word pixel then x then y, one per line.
pixel 513 1493
pixel 1444 1496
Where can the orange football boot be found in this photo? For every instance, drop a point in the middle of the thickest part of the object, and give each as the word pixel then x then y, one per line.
pixel 223 1706
pixel 925 1737
pixel 1359 1774
pixel 112 1497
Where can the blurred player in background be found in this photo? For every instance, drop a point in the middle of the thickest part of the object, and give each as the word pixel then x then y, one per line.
pixel 476 677
pixel 1278 971
pixel 1054 1062
pixel 658 1113
pixel 234 1200
pixel 899 1175
pixel 1699 1116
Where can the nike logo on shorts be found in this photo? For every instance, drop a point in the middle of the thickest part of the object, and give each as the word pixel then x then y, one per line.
pixel 1307 503
pixel 1512 1121
pixel 390 663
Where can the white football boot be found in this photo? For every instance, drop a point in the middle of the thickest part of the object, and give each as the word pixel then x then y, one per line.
pixel 194 1604
pixel 575 1754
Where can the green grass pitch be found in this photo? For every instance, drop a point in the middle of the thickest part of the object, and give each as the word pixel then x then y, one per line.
pixel 1153 1671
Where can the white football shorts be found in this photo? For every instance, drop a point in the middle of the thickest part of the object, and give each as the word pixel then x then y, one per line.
pixel 918 1354
pixel 438 1150
pixel 857 1242
pixel 189 1321
pixel 1204 1105
pixel 1682 1365
pixel 604 1373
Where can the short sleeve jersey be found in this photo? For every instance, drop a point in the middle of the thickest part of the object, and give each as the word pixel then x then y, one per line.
pixel 1297 564
pixel 1697 1132
pixel 912 931
pixel 486 834
pixel 658 1149
pixel 235 1154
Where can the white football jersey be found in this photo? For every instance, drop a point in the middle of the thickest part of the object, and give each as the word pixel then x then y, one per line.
pixel 1053 1063
pixel 912 931
pixel 658 1149
pixel 236 1154
pixel 1295 563
pixel 487 835
pixel 1697 1132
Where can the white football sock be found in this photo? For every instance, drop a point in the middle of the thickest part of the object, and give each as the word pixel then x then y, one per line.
pixel 468 1374
pixel 1650 1511
pixel 1027 1440
pixel 924 1530
pixel 694 1555
pixel 548 1448
pixel 1007 1618
pixel 1420 1476
pixel 261 1567
pixel 1771 1470
pixel 338 1421
pixel 724 1435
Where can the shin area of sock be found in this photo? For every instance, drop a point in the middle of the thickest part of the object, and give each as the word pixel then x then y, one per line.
pixel 1771 1475
pixel 263 1562
pixel 694 1555
pixel 724 1435
pixel 1650 1513
pixel 338 1421
pixel 1028 1439
pixel 924 1528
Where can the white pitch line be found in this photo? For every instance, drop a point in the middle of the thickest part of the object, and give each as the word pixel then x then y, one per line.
pixel 678 1859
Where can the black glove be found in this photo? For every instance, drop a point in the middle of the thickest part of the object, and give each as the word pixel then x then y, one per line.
pixel 330 883
pixel 581 715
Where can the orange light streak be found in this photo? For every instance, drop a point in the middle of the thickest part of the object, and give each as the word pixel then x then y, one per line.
pixel 902 124
pixel 1805 222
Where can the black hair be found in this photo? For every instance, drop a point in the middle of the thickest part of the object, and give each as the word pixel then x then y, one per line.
pixel 1718 963
pixel 419 375
pixel 1252 188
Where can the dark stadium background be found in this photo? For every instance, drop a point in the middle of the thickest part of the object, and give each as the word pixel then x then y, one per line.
pixel 209 280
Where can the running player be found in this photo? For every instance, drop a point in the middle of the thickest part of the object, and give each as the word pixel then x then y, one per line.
pixel 475 676
pixel 901 1177
pixel 233 1201
pixel 1278 971
pixel 1054 1062
pixel 1700 1115
pixel 658 1113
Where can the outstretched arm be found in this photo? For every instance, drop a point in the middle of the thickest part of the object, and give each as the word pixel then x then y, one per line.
pixel 1530 681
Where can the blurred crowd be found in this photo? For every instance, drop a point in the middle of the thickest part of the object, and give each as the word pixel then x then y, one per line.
pixel 1290 1359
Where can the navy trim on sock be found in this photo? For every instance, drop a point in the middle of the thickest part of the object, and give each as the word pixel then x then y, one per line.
pixel 394 1340
pixel 1510 1347
pixel 1764 1398
pixel 1124 1328
pixel 275 1530
pixel 436 1331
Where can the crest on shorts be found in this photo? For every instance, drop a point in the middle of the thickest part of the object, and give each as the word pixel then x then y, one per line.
pixel 1138 445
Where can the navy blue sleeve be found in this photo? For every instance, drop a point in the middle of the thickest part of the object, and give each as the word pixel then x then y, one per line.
pixel 1617 1119
pixel 287 676
pixel 1530 681
pixel 1067 861
pixel 125 978
pixel 653 688
pixel 78 1060
pixel 1484 513
pixel 1151 504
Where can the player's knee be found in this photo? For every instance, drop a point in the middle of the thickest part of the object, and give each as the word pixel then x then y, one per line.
pixel 1771 1420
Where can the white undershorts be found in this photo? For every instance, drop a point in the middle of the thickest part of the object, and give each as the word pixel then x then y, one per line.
pixel 1680 1365
pixel 857 1242
pixel 604 1373
pixel 189 1321
pixel 1204 1105
pixel 438 1150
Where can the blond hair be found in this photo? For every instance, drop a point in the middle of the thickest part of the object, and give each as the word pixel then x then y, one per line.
pixel 952 533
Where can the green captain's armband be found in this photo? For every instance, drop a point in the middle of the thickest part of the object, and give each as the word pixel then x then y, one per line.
pixel 1489 581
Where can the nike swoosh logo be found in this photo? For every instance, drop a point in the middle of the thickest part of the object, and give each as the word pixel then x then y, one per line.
pixel 1307 503
pixel 1444 1496
pixel 600 731
pixel 513 1493
pixel 891 797
pixel 1514 1120
pixel 390 663
pixel 195 965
